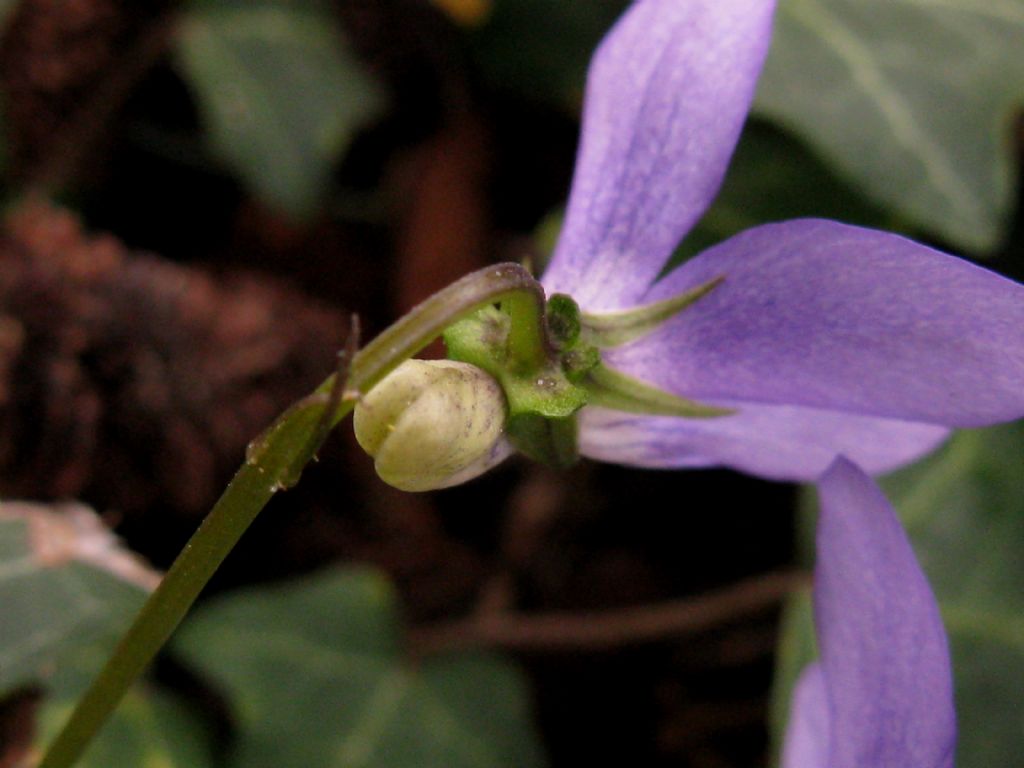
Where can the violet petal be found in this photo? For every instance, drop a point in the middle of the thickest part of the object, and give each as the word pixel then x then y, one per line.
pixel 770 441
pixel 807 734
pixel 884 653
pixel 825 315
pixel 667 94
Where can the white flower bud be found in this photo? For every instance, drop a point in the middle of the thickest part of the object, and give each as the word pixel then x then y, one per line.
pixel 433 423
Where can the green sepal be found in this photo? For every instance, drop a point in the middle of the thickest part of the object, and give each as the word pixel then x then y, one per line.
pixel 563 319
pixel 612 329
pixel 549 441
pixel 609 388
pixel 542 390
pixel 542 400
pixel 580 361
pixel 480 339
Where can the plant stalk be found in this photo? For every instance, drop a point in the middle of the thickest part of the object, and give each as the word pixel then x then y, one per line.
pixel 274 462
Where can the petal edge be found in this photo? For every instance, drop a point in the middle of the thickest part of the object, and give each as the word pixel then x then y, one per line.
pixel 820 314
pixel 667 94
pixel 884 652
pixel 774 442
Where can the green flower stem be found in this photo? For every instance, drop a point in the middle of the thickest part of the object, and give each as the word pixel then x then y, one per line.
pixel 274 461
pixel 528 341
pixel 510 284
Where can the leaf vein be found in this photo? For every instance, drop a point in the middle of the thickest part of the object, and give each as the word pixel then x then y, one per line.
pixel 871 78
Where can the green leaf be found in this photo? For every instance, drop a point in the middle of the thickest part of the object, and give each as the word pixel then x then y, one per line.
pixel 149 727
pixel 964 510
pixel 64 583
pixel 68 590
pixel 315 675
pixel 773 177
pixel 911 99
pixel 797 648
pixel 278 92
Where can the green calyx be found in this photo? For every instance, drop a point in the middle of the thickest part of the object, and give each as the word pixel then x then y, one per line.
pixel 539 386
pixel 613 329
pixel 542 400
pixel 549 441
pixel 609 388
pixel 581 337
pixel 563 319
pixel 552 367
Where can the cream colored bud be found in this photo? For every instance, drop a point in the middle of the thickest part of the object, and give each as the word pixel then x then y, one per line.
pixel 433 423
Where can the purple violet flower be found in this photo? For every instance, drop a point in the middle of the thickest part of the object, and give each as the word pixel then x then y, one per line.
pixel 825 339
pixel 882 694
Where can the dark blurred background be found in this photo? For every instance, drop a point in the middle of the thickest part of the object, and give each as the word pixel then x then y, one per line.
pixel 159 308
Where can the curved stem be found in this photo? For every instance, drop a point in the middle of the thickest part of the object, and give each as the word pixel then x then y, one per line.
pixel 274 461
pixel 500 283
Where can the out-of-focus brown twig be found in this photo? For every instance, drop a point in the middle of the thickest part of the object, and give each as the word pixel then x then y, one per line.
pixel 605 630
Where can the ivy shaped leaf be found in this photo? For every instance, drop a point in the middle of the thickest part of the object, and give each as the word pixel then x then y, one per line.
pixel 963 508
pixel 278 92
pixel 910 99
pixel 964 511
pixel 773 177
pixel 148 728
pixel 68 590
pixel 64 583
pixel 315 675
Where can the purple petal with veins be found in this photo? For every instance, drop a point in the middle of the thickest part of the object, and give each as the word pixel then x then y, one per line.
pixel 885 696
pixel 771 441
pixel 823 315
pixel 667 94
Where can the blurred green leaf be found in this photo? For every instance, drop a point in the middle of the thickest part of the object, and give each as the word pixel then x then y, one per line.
pixel 68 591
pixel 797 648
pixel 149 728
pixel 278 92
pixel 315 675
pixel 541 48
pixel 57 594
pixel 773 177
pixel 964 510
pixel 910 99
